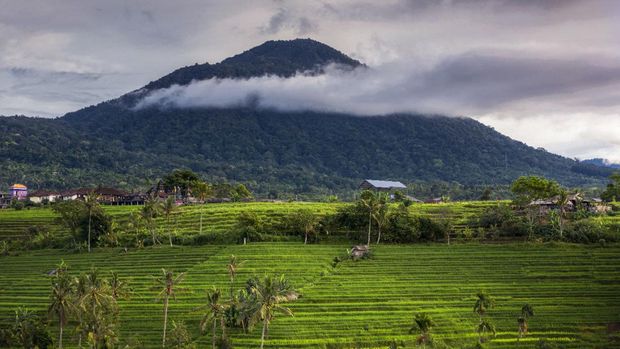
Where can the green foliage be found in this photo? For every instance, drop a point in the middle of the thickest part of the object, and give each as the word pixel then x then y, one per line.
pixel 76 216
pixel 180 181
pixel 28 331
pixel 529 188
pixel 179 337
pixel 612 192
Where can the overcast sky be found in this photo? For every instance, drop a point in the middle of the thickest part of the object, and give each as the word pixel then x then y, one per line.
pixel 543 72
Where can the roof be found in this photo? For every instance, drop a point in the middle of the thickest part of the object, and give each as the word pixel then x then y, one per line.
pixel 43 193
pixel 384 184
pixel 18 186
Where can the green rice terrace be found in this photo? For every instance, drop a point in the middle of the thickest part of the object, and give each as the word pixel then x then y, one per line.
pixel 220 218
pixel 343 303
pixel 366 303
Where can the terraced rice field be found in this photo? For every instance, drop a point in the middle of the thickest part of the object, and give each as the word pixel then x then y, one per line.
pixel 220 218
pixel 575 291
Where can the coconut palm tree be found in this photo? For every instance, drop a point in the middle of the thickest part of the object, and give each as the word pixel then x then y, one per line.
pixel 484 302
pixel 119 288
pixel 61 304
pixel 91 202
pixel 150 210
pixel 168 283
pixel 483 327
pixel 168 208
pixel 369 200
pixel 527 311
pixel 233 267
pixel 424 323
pixel 270 293
pixel 202 191
pixel 562 202
pixel 380 214
pixel 214 314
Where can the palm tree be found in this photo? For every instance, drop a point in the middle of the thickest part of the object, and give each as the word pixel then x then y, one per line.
pixel 233 267
pixel 149 212
pixel 215 313
pixel 527 311
pixel 483 303
pixel 98 308
pixel 118 287
pixel 380 214
pixel 168 283
pixel 79 287
pixel 203 191
pixel 422 322
pixel 562 201
pixel 168 208
pixel 483 327
pixel 91 202
pixel 61 301
pixel 270 293
pixel 369 200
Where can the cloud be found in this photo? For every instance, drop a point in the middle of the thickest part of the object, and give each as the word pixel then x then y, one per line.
pixel 469 84
pixel 283 19
pixel 128 43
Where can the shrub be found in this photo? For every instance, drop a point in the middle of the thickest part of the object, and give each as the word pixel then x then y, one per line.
pixel 402 227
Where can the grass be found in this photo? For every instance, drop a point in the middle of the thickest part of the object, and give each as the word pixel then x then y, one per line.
pixel 573 289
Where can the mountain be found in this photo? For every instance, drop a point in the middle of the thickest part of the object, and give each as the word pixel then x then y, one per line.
pixel 602 163
pixel 115 144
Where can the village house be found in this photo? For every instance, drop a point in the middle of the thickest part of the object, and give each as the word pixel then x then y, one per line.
pixel 18 191
pixel 380 185
pixel 573 203
pixel 42 196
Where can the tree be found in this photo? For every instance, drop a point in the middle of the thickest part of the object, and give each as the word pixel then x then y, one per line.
pixel 303 221
pixel 527 311
pixel 90 201
pixel 181 181
pixel 98 308
pixel 369 200
pixel 180 337
pixel 202 190
pixel 484 302
pixel 233 267
pixel 168 284
pixel 483 327
pixel 240 192
pixel 214 314
pixel 612 192
pixel 61 299
pixel 249 225
pixel 119 288
pixel 168 208
pixel 270 293
pixel 380 214
pixel 530 188
pixel 148 213
pixel 424 323
pixel 29 330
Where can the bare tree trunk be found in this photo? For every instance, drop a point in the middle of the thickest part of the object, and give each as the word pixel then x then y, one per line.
pixel 223 326
pixel 60 335
pixel 163 341
pixel 262 338
pixel 213 333
pixel 169 231
pixel 90 215
pixel 201 212
pixel 306 238
pixel 379 236
pixel 369 223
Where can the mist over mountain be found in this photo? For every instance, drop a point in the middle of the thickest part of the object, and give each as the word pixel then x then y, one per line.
pixel 297 150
